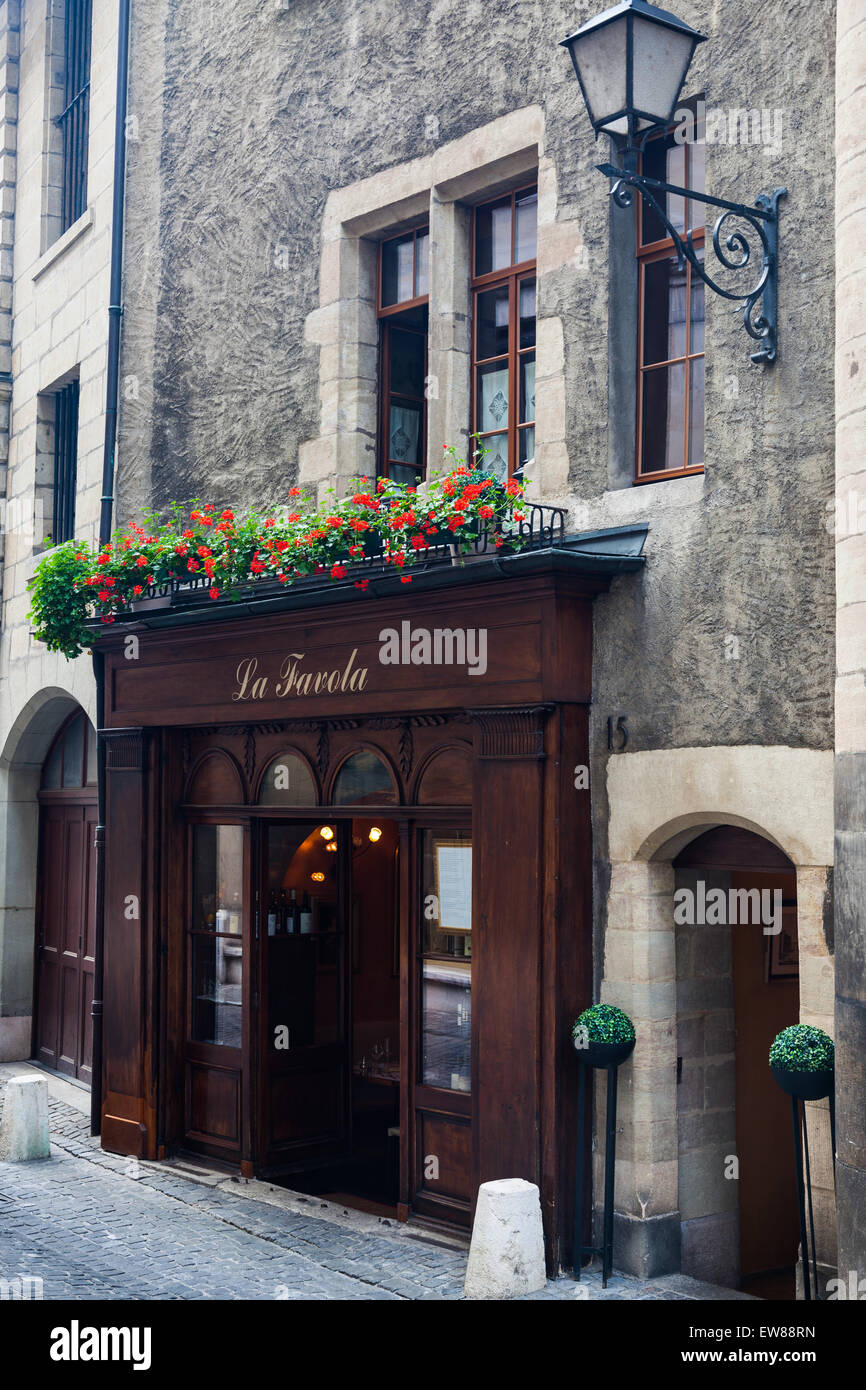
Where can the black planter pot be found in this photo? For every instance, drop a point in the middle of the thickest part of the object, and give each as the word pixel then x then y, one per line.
pixel 601 1054
pixel 805 1085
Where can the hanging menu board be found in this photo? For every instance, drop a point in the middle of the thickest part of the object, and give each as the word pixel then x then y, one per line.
pixel 454 885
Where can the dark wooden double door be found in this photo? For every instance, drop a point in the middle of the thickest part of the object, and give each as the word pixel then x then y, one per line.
pixel 327 1032
pixel 66 933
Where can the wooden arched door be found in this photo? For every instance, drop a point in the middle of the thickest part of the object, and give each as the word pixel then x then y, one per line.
pixel 66 901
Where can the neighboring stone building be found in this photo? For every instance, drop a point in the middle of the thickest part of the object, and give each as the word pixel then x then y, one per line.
pixel 292 166
pixel 59 74
pixel 850 872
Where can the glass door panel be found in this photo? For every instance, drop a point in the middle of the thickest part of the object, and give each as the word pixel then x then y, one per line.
pixel 446 963
pixel 442 1100
pixel 217 951
pixel 304 991
pixel 216 948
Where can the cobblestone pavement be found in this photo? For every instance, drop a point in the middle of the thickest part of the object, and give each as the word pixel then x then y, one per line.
pixel 92 1225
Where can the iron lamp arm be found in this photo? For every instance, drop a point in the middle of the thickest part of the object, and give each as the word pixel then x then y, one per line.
pixel 760 230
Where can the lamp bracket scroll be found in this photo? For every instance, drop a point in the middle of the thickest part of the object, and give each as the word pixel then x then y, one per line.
pixel 739 236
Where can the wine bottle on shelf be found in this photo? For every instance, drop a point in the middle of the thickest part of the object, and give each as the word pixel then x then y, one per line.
pixel 273 914
pixel 222 912
pixel 296 914
pixel 283 913
pixel 306 916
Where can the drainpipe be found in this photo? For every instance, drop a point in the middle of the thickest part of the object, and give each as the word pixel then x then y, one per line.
pixel 105 524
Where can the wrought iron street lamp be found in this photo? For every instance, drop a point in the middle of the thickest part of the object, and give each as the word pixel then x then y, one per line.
pixel 631 63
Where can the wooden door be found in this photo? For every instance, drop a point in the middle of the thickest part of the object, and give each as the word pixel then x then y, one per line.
pixel 765 1002
pixel 65 936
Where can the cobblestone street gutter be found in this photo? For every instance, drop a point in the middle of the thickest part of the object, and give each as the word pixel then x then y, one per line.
pixel 92 1225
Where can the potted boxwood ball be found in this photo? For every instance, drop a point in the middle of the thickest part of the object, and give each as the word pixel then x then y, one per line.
pixel 603 1036
pixel 802 1061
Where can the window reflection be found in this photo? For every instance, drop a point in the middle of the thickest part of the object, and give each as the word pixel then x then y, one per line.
pixel 446 964
pixel 216 931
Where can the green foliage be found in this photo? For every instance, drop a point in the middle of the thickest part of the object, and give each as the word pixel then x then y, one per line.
pixel 604 1023
pixel 76 585
pixel 802 1048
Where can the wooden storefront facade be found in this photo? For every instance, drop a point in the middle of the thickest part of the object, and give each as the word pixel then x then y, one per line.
pixel 328 874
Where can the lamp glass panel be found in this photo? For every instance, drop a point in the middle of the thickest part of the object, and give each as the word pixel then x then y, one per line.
pixel 661 61
pixel 600 58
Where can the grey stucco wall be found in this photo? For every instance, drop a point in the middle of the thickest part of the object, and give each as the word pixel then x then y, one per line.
pixel 249 115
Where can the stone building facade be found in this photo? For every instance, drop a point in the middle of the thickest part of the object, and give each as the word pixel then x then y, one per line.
pixel 275 146
pixel 54 328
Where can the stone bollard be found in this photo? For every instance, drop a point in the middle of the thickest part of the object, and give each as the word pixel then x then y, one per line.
pixel 506 1256
pixel 24 1129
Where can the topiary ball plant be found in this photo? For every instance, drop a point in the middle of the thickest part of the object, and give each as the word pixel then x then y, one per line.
pixel 603 1036
pixel 802 1060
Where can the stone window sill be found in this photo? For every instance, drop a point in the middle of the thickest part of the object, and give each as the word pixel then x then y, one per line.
pixel 62 244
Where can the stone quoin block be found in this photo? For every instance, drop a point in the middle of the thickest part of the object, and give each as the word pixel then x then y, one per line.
pixel 506 1257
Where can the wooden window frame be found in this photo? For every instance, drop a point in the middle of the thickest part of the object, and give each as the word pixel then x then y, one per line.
pixel 510 276
pixel 647 254
pixel 385 313
pixel 73 789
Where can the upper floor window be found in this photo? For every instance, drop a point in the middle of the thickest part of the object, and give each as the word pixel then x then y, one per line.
pixel 504 238
pixel 404 275
pixel 670 395
pixel 65 421
pixel 74 119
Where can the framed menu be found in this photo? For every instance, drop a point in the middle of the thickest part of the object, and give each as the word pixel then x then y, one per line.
pixel 454 885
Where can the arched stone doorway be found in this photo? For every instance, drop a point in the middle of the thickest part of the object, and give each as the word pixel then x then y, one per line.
pixel 27 748
pixel 737 959
pixel 783 797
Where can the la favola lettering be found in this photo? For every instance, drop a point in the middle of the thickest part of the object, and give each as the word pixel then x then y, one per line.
pixel 294 680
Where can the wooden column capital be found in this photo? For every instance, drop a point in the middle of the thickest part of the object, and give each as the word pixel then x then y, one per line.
pixel 124 749
pixel 512 732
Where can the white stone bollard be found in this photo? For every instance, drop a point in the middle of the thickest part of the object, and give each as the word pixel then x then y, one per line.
pixel 24 1129
pixel 506 1256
